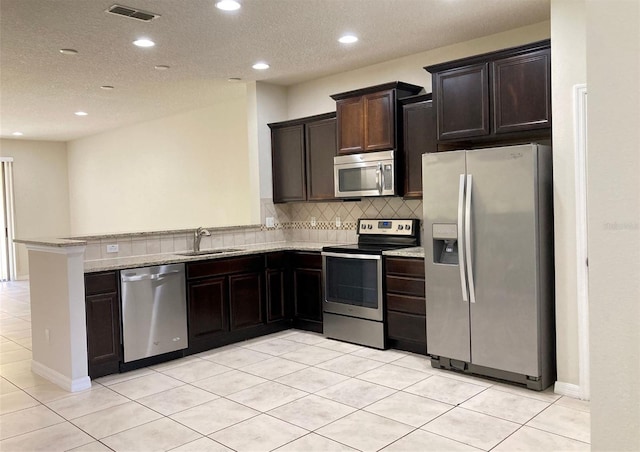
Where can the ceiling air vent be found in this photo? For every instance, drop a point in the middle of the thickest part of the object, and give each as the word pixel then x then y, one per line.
pixel 132 13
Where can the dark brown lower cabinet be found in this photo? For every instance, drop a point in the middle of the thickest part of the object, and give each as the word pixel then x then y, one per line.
pixel 102 309
pixel 277 282
pixel 226 301
pixel 406 304
pixel 207 307
pixel 245 300
pixel 306 275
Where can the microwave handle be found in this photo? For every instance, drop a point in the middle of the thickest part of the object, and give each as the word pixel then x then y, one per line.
pixel 379 178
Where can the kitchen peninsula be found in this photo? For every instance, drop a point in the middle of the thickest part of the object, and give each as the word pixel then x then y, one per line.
pixel 57 278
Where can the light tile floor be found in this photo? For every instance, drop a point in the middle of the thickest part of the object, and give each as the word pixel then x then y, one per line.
pixel 290 391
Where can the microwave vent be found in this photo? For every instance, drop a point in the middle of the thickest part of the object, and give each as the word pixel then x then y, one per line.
pixel 132 13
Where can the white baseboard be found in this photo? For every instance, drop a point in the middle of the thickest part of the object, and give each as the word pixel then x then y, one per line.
pixel 66 383
pixel 567 389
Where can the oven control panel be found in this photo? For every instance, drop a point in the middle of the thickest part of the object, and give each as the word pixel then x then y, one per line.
pixel 387 227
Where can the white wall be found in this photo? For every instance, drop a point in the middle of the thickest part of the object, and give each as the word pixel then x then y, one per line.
pixel 182 171
pixel 267 104
pixel 312 97
pixel 613 74
pixel 41 192
pixel 569 67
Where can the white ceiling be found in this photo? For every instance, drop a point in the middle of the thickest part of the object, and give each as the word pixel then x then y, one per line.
pixel 40 88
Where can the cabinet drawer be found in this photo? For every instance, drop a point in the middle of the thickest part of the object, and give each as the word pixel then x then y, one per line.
pixel 96 283
pixel 407 326
pixel 405 267
pixel 411 305
pixel 405 286
pixel 306 260
pixel 225 266
pixel 276 260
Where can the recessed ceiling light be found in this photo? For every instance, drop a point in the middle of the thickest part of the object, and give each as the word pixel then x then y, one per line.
pixel 348 39
pixel 106 87
pixel 68 51
pixel 261 66
pixel 228 5
pixel 234 79
pixel 144 42
pixel 161 67
pixel 81 113
pixel 17 134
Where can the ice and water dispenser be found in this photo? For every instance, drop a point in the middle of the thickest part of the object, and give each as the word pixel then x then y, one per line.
pixel 445 243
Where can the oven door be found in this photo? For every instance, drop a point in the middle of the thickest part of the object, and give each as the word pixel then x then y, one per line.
pixel 353 285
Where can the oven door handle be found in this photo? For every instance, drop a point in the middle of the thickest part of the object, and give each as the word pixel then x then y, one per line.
pixel 373 257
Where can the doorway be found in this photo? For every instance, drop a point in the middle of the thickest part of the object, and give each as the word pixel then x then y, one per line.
pixel 7 227
pixel 582 256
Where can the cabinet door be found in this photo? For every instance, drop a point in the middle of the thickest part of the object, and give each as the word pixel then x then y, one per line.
pixel 288 166
pixel 245 300
pixel 350 114
pixel 522 92
pixel 307 289
pixel 276 295
pixel 103 333
pixel 207 308
pixel 379 121
pixel 321 148
pixel 462 102
pixel 419 125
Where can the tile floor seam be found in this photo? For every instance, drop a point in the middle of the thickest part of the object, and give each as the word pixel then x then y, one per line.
pixel 39 428
pixel 556 434
pixel 508 436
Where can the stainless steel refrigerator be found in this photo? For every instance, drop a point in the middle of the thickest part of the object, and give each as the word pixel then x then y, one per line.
pixel 488 241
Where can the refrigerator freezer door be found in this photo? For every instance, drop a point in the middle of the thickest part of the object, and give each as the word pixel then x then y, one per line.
pixel 504 257
pixel 447 311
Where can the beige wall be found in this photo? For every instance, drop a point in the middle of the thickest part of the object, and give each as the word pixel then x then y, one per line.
pixel 267 104
pixel 568 60
pixel 41 192
pixel 613 73
pixel 312 97
pixel 182 171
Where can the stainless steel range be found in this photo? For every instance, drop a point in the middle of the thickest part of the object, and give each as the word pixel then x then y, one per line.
pixel 353 308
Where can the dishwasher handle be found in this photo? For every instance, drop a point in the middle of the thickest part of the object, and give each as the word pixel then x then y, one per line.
pixel 148 277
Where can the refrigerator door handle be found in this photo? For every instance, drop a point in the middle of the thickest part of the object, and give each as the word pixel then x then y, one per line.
pixel 461 264
pixel 467 239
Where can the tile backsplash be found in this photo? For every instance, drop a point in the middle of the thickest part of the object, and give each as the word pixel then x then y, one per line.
pixel 294 222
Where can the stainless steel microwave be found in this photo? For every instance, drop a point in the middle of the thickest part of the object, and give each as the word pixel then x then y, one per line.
pixel 369 174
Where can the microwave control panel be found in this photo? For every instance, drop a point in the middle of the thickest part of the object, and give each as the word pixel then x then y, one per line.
pixel 387 227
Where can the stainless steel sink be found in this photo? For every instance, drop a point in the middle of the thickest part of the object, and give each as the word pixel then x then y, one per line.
pixel 206 252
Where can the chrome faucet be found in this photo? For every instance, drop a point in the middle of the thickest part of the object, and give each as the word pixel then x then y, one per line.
pixel 197 236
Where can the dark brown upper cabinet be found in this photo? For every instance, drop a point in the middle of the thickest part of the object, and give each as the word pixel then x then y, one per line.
pixel 419 136
pixel 496 96
pixel 367 118
pixel 302 152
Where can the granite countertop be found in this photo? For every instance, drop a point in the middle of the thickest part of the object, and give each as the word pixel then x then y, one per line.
pixel 173 258
pixel 417 251
pixel 51 242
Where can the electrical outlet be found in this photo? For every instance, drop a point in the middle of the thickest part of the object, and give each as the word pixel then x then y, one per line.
pixel 47 335
pixel 313 222
pixel 270 222
pixel 338 222
pixel 112 248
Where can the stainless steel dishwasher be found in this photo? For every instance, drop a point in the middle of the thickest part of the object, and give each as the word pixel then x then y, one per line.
pixel 154 311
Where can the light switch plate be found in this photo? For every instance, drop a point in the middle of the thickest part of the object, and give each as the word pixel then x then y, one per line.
pixel 338 222
pixel 313 222
pixel 270 222
pixel 112 248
